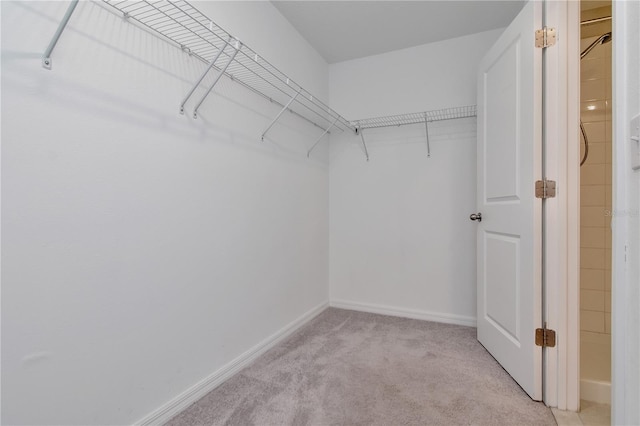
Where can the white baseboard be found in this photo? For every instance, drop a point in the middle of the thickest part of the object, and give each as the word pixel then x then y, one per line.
pixel 595 391
pixel 404 312
pixel 197 391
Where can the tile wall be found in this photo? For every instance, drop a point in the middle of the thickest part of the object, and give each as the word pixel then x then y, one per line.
pixel 595 199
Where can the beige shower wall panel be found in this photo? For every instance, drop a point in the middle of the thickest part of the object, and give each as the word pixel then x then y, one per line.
pixel 595 232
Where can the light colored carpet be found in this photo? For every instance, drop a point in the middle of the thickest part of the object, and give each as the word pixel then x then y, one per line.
pixel 354 368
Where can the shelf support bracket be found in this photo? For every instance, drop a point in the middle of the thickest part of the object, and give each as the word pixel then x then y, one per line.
pixel 322 135
pixel 426 127
pixel 366 152
pixel 46 57
pixel 206 71
pixel 220 74
pixel 280 113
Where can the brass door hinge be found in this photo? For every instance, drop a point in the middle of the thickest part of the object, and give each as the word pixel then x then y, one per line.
pixel 545 337
pixel 545 188
pixel 545 37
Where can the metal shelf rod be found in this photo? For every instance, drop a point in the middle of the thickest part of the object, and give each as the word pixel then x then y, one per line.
pixel 204 74
pixel 426 127
pixel 320 138
pixel 195 111
pixel 46 57
pixel 279 114
pixel 366 151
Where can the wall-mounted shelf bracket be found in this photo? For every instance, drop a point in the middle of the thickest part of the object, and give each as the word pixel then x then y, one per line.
pixel 280 113
pixel 366 152
pixel 204 74
pixel 426 127
pixel 46 58
pixel 220 74
pixel 322 135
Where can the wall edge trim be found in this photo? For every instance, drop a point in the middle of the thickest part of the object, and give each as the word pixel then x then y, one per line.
pixel 177 404
pixel 404 312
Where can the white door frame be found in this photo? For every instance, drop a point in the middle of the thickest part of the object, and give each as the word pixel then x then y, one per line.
pixel 562 214
pixel 625 321
pixel 562 233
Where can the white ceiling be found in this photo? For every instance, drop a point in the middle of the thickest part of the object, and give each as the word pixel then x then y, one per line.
pixel 343 30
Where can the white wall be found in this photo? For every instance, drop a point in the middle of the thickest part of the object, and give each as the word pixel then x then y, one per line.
pixel 626 217
pixel 401 240
pixel 142 250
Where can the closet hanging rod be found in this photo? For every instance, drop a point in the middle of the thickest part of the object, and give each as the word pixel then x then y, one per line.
pixel 186 27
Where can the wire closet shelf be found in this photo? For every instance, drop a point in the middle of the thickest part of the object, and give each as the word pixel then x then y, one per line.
pixel 416 117
pixel 196 34
pixel 425 118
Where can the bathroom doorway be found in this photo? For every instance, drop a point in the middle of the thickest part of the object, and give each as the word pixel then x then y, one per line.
pixel 595 205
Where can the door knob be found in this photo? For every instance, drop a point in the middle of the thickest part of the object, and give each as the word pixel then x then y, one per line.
pixel 476 216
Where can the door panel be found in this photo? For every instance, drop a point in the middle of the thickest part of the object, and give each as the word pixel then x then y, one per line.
pixel 502 283
pixel 500 82
pixel 509 235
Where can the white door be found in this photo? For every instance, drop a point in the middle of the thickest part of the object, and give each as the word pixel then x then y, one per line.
pixel 509 234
